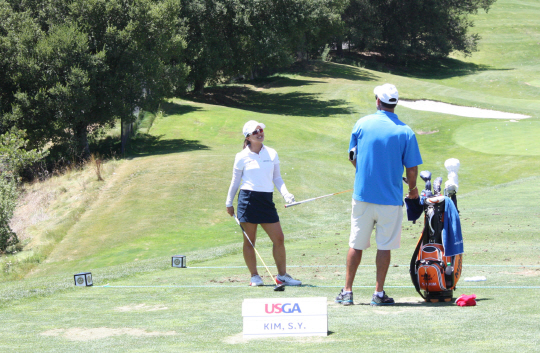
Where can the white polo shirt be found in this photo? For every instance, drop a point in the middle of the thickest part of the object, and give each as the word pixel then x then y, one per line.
pixel 257 169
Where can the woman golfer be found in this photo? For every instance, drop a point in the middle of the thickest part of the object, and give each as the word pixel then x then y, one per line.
pixel 256 171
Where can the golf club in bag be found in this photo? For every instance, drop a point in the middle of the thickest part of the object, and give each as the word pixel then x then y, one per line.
pixel 278 287
pixel 434 274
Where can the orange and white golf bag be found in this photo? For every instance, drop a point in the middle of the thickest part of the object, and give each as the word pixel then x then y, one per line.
pixel 434 274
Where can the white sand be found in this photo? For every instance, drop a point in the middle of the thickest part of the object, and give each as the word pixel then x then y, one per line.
pixel 470 112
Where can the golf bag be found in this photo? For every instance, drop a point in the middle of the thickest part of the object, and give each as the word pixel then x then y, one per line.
pixel 434 274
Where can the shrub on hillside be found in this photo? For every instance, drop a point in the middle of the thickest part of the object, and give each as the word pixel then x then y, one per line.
pixel 13 158
pixel 8 201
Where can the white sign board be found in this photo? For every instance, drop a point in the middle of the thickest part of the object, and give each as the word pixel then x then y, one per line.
pixel 278 317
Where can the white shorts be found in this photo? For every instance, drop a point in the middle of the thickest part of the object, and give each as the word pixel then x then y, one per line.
pixel 386 220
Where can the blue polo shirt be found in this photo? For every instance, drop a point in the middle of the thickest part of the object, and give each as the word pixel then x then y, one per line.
pixel 384 146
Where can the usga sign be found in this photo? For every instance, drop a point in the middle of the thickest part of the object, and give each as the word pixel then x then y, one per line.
pixel 278 317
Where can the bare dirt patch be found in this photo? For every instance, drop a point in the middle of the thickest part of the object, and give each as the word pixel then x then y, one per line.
pixel 140 307
pixel 427 132
pixel 236 339
pixel 526 272
pixel 87 334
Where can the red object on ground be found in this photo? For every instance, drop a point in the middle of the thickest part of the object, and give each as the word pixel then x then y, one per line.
pixel 466 300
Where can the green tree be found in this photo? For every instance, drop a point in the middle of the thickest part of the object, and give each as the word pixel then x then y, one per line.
pixel 413 28
pixel 227 38
pixel 8 201
pixel 84 64
pixel 13 158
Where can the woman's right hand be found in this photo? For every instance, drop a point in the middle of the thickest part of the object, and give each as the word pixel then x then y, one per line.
pixel 230 211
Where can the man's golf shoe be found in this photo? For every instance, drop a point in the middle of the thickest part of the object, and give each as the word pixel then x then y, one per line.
pixel 345 298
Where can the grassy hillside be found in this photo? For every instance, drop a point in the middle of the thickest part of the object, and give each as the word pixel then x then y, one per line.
pixel 168 198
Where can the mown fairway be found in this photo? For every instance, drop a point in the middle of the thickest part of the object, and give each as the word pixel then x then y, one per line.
pixel 168 198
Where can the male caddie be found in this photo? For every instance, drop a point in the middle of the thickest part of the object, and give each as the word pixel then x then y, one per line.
pixel 381 145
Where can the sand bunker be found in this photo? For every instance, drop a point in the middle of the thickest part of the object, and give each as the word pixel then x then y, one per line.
pixel 87 334
pixel 469 112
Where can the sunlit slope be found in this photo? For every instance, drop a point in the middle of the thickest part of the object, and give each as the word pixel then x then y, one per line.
pixel 170 198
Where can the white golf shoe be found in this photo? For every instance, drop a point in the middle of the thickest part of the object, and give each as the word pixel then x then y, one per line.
pixel 256 281
pixel 287 280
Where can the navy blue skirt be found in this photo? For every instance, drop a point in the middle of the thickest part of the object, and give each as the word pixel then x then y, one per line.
pixel 256 207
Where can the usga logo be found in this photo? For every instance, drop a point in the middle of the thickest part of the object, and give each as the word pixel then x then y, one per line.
pixel 286 308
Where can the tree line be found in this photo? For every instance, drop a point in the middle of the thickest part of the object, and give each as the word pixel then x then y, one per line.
pixel 69 68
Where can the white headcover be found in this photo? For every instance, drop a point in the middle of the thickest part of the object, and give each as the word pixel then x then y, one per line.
pixel 452 165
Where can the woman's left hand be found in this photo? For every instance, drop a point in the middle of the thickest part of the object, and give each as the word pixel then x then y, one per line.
pixel 230 211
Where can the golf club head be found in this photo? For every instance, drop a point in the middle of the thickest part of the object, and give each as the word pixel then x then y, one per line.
pixel 426 176
pixel 279 287
pixel 437 186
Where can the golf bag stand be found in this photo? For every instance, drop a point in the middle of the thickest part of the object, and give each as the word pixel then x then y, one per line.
pixel 433 274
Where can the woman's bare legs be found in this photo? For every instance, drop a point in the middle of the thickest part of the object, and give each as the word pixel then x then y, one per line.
pixel 249 253
pixel 275 233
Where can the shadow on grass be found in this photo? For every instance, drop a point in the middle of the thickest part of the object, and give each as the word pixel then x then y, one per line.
pixel 297 103
pixel 279 82
pixel 314 69
pixel 346 72
pixel 293 103
pixel 417 304
pixel 146 145
pixel 432 68
pixel 422 303
pixel 171 108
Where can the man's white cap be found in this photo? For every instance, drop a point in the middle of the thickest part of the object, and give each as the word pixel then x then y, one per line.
pixel 387 93
pixel 251 126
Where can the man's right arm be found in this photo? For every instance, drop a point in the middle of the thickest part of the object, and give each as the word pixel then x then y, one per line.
pixel 412 175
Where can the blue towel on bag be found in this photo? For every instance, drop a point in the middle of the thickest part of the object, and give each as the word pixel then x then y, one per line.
pixel 451 235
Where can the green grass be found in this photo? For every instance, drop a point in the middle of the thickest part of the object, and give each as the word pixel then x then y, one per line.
pixel 199 309
pixel 168 198
pixel 502 138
